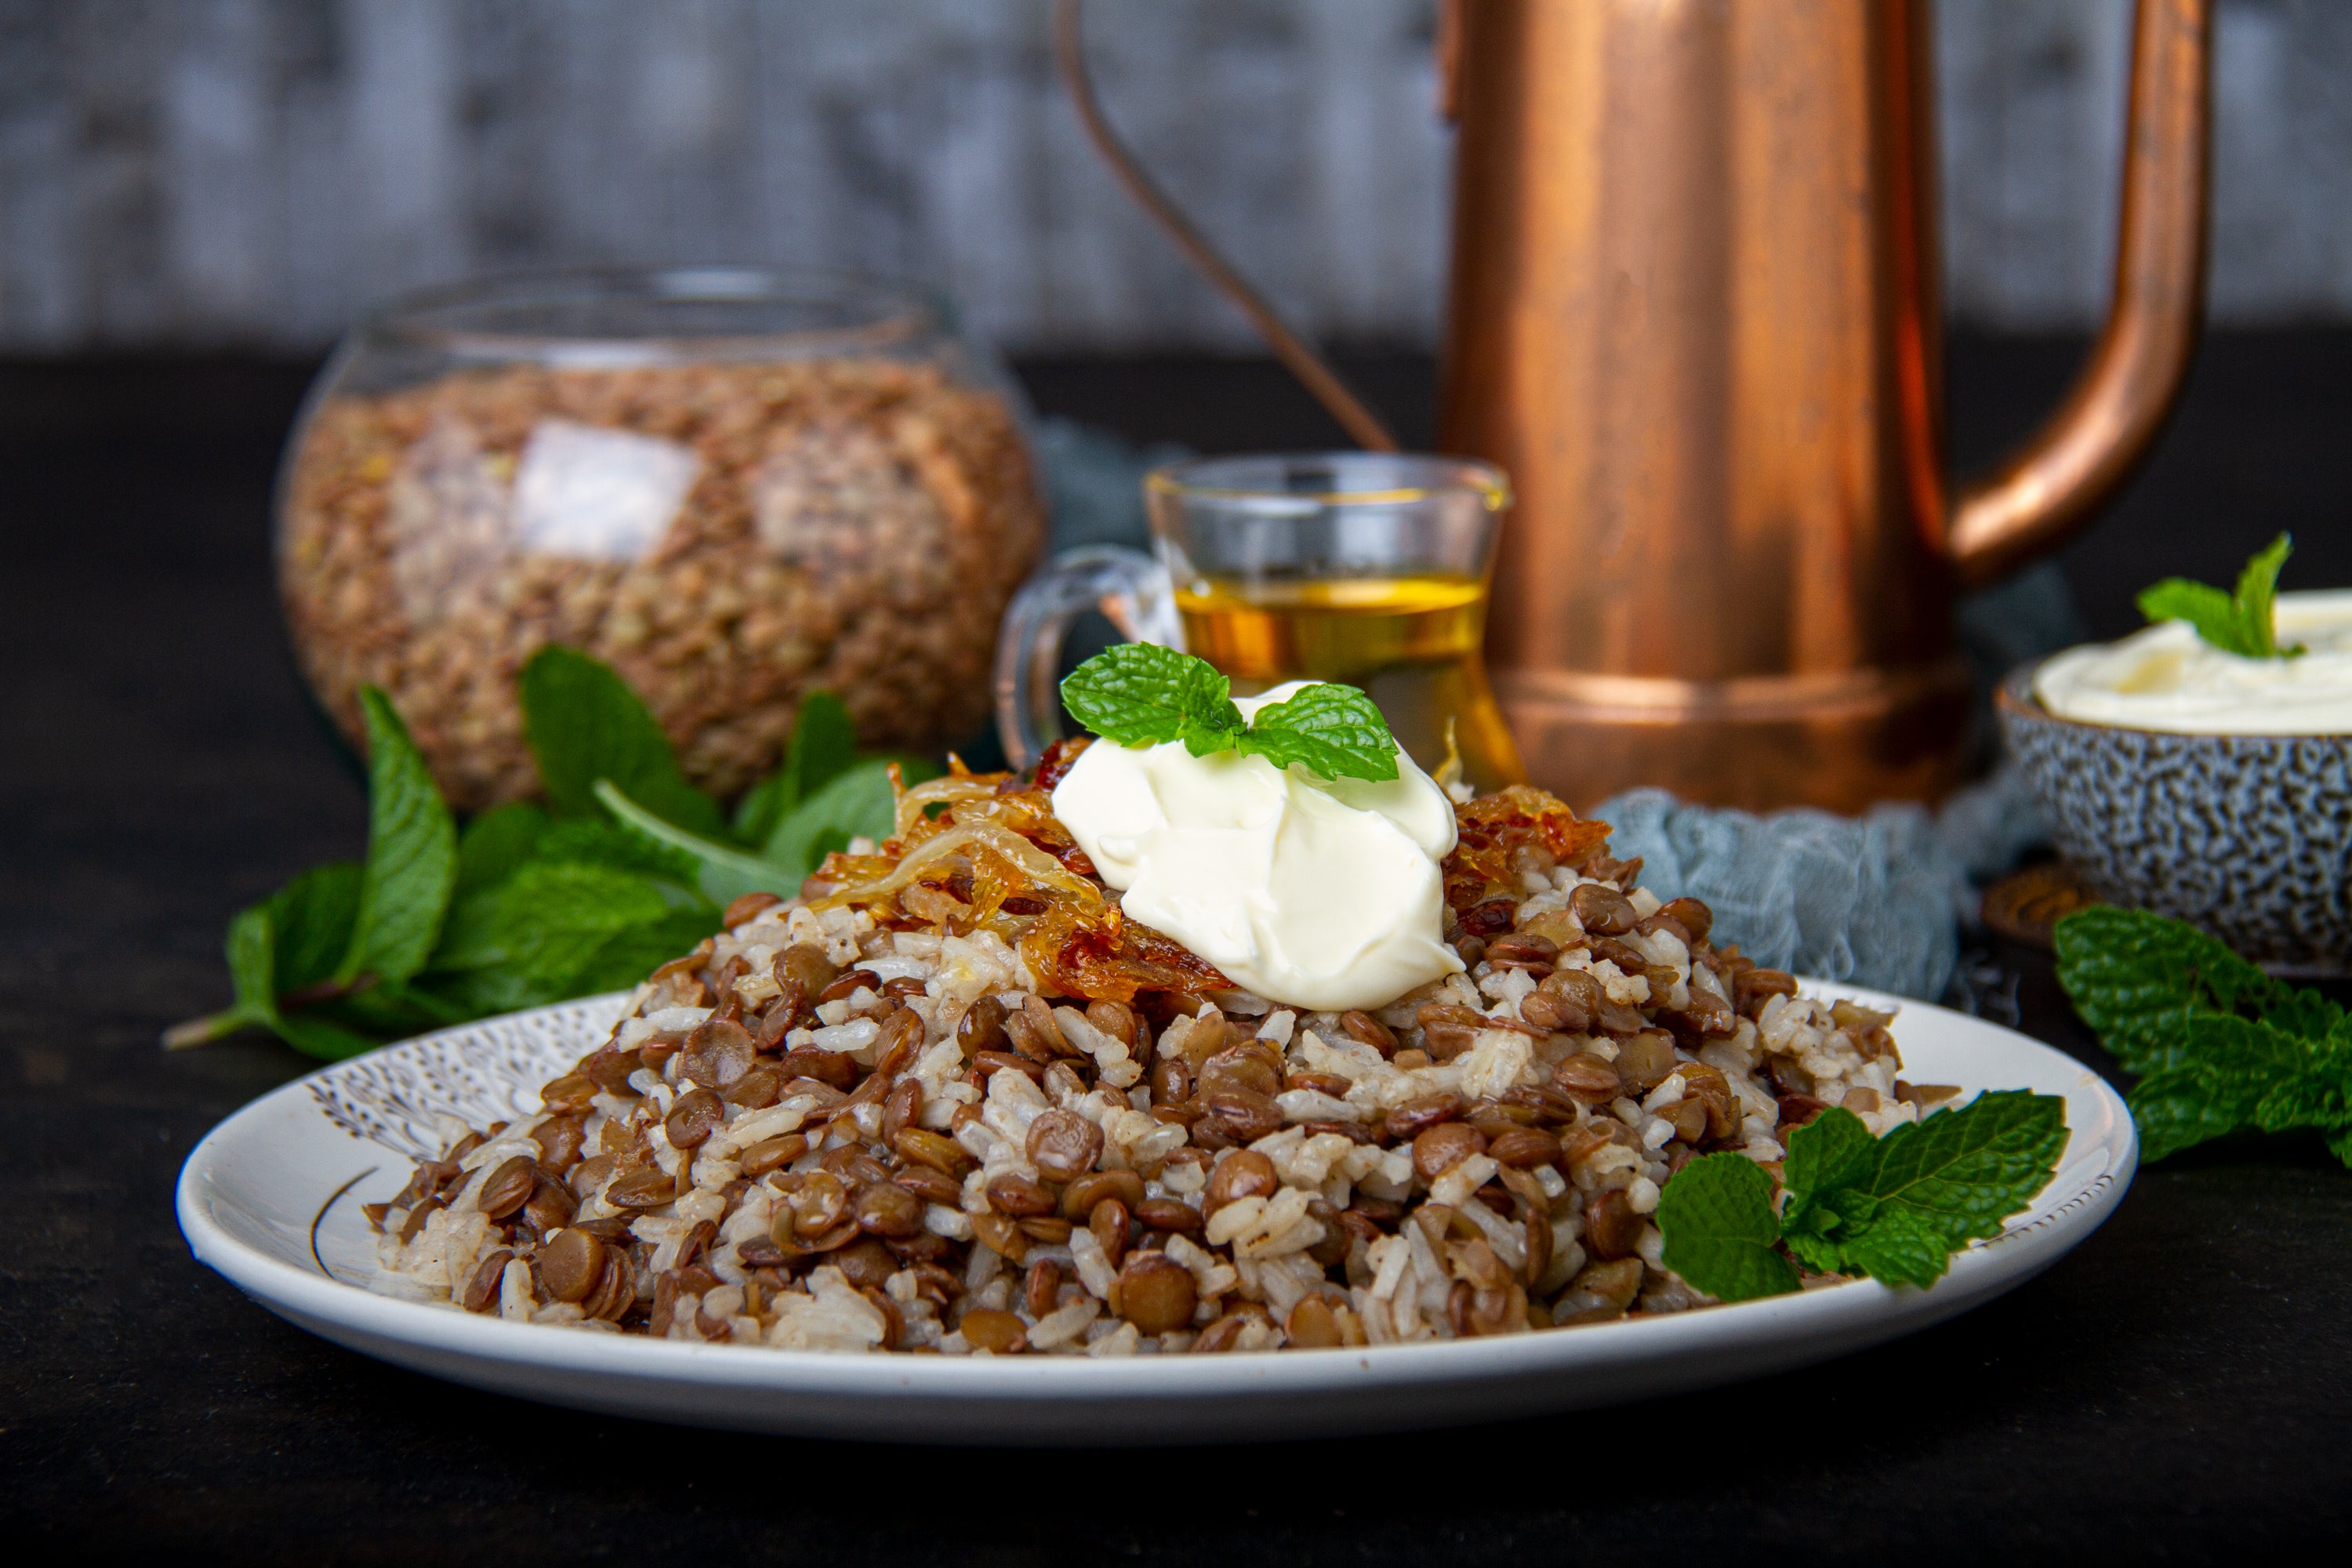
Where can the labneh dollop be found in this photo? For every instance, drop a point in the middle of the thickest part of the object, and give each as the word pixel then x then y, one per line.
pixel 1321 893
pixel 2167 677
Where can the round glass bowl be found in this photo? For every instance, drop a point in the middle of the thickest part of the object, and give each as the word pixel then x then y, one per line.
pixel 734 486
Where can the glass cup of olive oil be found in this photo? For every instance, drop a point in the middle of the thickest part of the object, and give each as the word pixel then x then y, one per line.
pixel 1362 567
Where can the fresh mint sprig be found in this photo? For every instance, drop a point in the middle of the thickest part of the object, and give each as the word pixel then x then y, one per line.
pixel 2243 623
pixel 2220 1047
pixel 1139 694
pixel 625 867
pixel 1893 1208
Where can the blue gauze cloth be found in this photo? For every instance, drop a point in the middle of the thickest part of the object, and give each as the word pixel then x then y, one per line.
pixel 1879 900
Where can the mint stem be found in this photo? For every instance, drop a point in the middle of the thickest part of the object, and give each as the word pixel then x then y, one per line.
pixel 205 1031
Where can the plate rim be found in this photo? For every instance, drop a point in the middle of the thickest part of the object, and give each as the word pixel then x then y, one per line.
pixel 1874 1311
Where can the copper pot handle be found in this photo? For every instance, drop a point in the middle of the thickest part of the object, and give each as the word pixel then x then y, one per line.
pixel 2081 458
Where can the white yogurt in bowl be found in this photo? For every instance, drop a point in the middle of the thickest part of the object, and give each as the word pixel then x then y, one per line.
pixel 2168 678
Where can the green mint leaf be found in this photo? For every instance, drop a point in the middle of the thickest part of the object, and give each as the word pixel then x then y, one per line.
pixel 2212 611
pixel 2245 623
pixel 1138 694
pixel 479 993
pixel 497 844
pixel 763 806
pixel 252 948
pixel 722 872
pixel 2220 1046
pixel 2256 598
pixel 823 744
pixel 2172 1110
pixel 252 951
pixel 855 803
pixel 628 956
pixel 1945 1181
pixel 2318 1094
pixel 311 920
pixel 1209 743
pixel 1901 1247
pixel 390 1011
pixel 316 1037
pixel 585 725
pixel 1328 729
pixel 1815 1250
pixel 2137 980
pixel 545 920
pixel 1141 694
pixel 1835 1149
pixel 2228 1068
pixel 1715 1218
pixel 412 859
pixel 622 846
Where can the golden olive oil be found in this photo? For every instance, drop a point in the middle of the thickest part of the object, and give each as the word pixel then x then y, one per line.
pixel 1413 643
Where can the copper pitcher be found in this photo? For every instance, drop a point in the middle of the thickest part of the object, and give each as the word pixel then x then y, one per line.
pixel 1696 315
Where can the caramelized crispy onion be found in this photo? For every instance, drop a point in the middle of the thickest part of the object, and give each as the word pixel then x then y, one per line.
pixel 1018 873
pixel 1498 836
pixel 1006 840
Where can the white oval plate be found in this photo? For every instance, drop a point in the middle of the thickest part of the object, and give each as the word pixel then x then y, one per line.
pixel 271 1199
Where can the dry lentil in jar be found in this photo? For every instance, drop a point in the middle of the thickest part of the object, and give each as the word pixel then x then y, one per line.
pixel 854 525
pixel 1065 1134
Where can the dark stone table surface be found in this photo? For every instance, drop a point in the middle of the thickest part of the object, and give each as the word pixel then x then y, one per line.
pixel 2177 1389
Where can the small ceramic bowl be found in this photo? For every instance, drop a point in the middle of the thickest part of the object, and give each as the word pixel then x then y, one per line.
pixel 2248 837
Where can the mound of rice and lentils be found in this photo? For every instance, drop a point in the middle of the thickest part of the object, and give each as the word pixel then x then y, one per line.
pixel 949 1101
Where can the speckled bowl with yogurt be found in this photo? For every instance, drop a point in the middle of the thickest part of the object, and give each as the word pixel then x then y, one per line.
pixel 2203 785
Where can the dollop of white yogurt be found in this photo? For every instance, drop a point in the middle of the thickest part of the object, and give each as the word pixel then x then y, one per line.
pixel 1321 893
pixel 2167 677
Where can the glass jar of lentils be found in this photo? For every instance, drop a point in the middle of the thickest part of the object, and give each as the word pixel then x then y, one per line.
pixel 733 486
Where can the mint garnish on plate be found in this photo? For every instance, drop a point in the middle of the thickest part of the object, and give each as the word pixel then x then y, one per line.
pixel 1894 1208
pixel 1139 694
pixel 2243 623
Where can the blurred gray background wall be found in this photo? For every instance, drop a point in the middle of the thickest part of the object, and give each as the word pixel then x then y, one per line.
pixel 250 173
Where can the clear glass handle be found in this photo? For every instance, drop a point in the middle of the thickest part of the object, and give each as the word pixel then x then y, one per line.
pixel 1132 591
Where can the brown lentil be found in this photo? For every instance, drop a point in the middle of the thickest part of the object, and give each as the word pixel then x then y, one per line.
pixel 1108 1224
pixel 1040 1291
pixel 1064 1145
pixel 1414 1117
pixel 1079 1198
pixel 648 1188
pixel 693 1116
pixel 1365 1029
pixel 1444 1146
pixel 481 1292
pixel 1155 1293
pixel 1611 1228
pixel 570 1265
pixel 1000 1333
pixel 886 1209
pixel 1245 1173
pixel 1011 1192
pixel 506 1189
